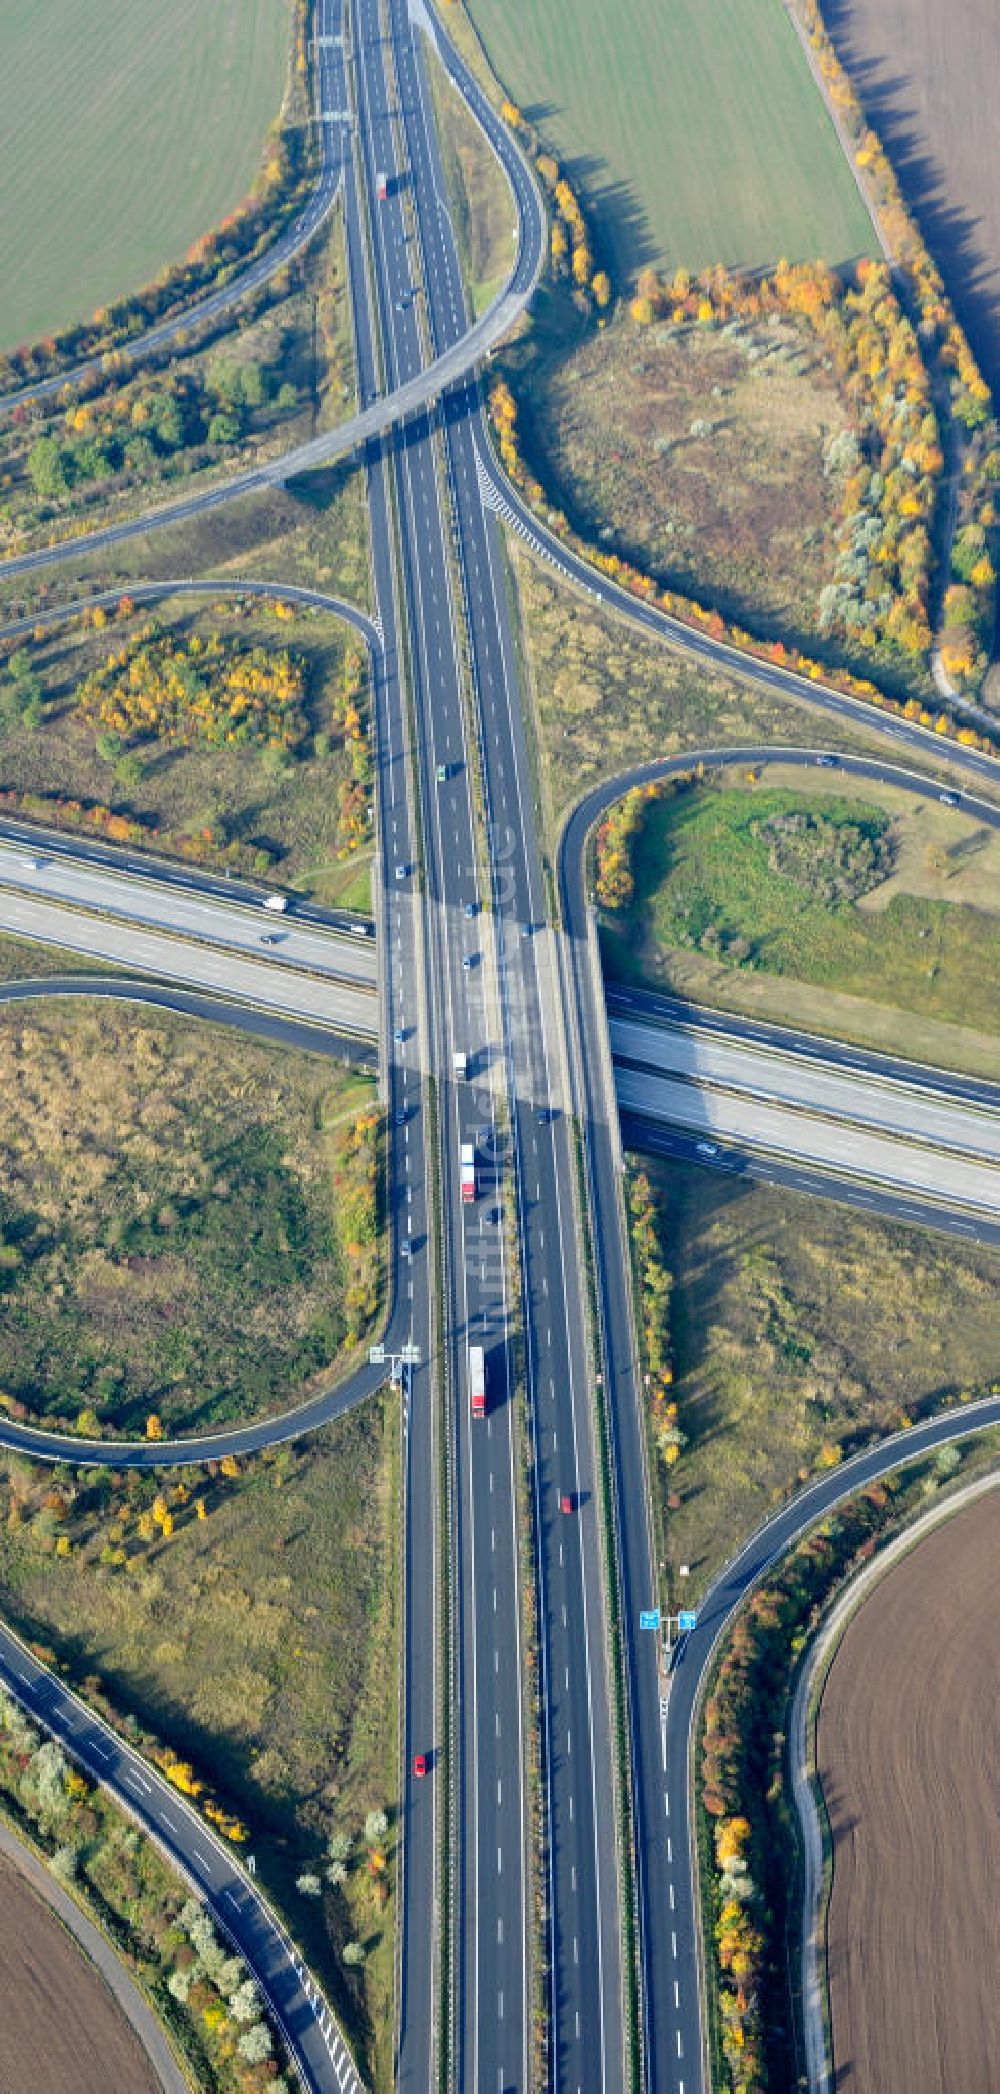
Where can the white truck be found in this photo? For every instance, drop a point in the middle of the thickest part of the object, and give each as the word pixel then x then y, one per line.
pixel 477 1381
pixel 460 1067
pixel 277 903
pixel 468 1172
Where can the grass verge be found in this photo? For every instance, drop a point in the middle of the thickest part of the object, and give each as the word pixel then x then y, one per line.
pixel 479 194
pixel 746 1829
pixel 605 697
pixel 186 773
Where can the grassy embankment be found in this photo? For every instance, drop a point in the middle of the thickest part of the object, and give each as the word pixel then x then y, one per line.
pixel 796 1328
pixel 142 137
pixel 260 1642
pixel 666 123
pixel 190 1222
pixel 732 910
pixel 604 697
pixel 21 961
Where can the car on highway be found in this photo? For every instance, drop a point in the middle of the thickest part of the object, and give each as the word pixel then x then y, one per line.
pixel 494 1216
pixel 525 930
pixel 707 1148
pixel 406 1249
pixel 402 1115
pixel 948 799
pixel 443 773
pixel 471 909
pixel 827 763
pixel 399 1035
pixel 270 937
pixel 565 1501
pixel 470 960
pixel 401 871
pixel 32 865
pixel 420 1765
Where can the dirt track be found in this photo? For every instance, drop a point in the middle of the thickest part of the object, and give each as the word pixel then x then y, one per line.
pixel 60 2030
pixel 929 75
pixel 908 1755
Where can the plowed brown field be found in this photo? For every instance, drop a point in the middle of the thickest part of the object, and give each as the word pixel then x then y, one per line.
pixel 908 1755
pixel 60 2029
pixel 928 72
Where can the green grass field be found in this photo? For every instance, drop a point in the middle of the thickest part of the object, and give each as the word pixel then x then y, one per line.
pixel 712 904
pixel 125 132
pixel 695 131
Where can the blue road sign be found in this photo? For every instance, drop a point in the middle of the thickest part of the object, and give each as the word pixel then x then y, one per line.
pixel 686 1621
pixel 649 1618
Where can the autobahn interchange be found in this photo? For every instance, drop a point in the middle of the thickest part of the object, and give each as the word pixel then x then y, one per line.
pixel 531 1013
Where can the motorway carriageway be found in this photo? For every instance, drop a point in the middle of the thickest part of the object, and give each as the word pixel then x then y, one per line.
pixel 48 897
pixel 827 1144
pixel 314 999
pixel 712 1062
pixel 171 905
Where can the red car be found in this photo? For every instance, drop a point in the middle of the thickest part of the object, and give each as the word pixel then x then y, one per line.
pixel 565 1502
pixel 420 1765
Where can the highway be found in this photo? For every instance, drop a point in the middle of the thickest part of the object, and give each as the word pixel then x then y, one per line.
pixel 48 882
pixel 660 1729
pixel 189 1003
pixel 314 998
pixel 909 1106
pixel 653 1007
pixel 582 1948
pixel 734 1160
pixel 467 343
pixel 831 1144
pixel 484 2017
pixel 529 1010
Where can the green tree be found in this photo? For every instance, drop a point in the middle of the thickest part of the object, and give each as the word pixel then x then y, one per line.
pixel 47 469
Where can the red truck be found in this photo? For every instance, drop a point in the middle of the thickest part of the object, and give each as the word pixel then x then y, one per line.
pixel 468 1171
pixel 477 1381
pixel 381 186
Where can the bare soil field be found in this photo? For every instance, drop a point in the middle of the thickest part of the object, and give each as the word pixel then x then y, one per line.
pixel 927 73
pixel 906 1752
pixel 60 2028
